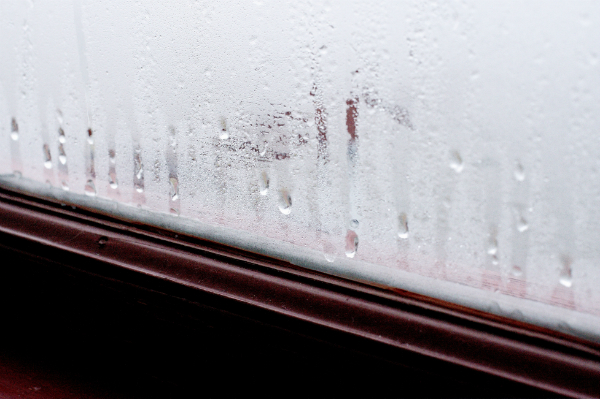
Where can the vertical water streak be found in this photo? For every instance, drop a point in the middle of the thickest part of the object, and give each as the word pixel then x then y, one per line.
pixel 63 169
pixel 46 154
pixel 520 236
pixel 445 197
pixel 90 163
pixel 113 182
pixel 138 169
pixel 112 168
pixel 15 152
pixel 323 225
pixel 352 157
pixel 491 274
pixel 171 158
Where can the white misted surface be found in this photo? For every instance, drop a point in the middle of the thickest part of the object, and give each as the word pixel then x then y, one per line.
pixel 449 148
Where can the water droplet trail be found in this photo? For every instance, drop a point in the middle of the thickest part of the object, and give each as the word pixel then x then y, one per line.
pixel 285 202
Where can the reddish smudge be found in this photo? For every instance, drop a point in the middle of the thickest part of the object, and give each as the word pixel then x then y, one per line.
pixel 351 116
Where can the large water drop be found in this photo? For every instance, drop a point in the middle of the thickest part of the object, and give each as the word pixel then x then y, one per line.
pixel 566 279
pixel 62 156
pixel 492 251
pixel 47 157
pixel 329 252
pixel 14 130
pixel 263 183
pixel 456 162
pixel 90 136
pixel 90 188
pixel 402 225
pixel 112 178
pixel 285 202
pixel 566 274
pixel 138 166
pixel 351 243
pixel 174 192
pixel 224 134
pixel 519 172
pixel 522 225
pixel 112 173
pixel 492 247
pixel 61 136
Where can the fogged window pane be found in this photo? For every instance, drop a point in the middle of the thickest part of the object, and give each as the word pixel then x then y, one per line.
pixel 448 148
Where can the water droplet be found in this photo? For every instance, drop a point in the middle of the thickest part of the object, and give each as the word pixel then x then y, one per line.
pixel 61 136
pixel 59 116
pixel 14 130
pixel 285 202
pixel 224 134
pixel 493 247
pixel 47 157
pixel 351 243
pixel 139 189
pixel 112 179
pixel 62 157
pixel 456 162
pixel 174 188
pixel 102 241
pixel 516 271
pixel 174 211
pixel 354 223
pixel 566 274
pixel 522 225
pixel 90 137
pixel 566 280
pixel 137 163
pixel 519 172
pixel 402 225
pixel 64 185
pixel 17 174
pixel 90 189
pixel 329 252
pixel 263 183
pixel 112 156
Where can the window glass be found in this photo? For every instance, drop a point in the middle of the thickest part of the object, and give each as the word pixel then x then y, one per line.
pixel 446 148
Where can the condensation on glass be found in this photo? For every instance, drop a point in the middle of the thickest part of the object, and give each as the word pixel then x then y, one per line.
pixel 448 148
